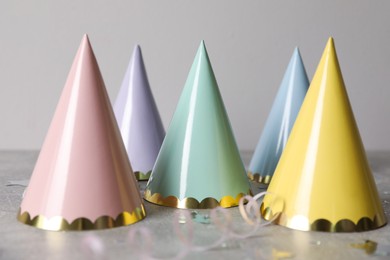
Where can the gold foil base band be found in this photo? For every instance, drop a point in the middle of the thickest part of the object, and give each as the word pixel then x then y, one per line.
pixel 60 224
pixel 259 178
pixel 343 225
pixel 191 203
pixel 140 176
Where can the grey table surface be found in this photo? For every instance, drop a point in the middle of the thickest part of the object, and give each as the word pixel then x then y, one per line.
pixel 19 241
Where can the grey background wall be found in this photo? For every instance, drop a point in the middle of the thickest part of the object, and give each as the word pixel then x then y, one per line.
pixel 249 43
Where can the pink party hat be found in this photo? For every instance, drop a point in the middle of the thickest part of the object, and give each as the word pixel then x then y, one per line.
pixel 82 178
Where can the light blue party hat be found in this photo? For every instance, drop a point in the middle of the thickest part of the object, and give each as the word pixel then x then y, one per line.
pixel 280 121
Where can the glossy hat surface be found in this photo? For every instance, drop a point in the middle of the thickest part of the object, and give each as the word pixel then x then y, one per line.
pixel 280 121
pixel 323 180
pixel 138 118
pixel 82 178
pixel 199 165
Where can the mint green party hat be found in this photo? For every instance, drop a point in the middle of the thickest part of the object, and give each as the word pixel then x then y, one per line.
pixel 199 165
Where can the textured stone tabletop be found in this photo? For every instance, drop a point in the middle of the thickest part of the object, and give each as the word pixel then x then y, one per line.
pixel 19 241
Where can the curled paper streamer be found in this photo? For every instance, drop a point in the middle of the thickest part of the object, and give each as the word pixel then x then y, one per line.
pixel 93 248
pixel 142 237
pixel 250 211
pixel 184 229
pixel 22 183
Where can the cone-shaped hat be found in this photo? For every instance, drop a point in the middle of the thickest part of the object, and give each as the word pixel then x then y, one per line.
pixel 323 181
pixel 83 178
pixel 199 165
pixel 280 121
pixel 138 118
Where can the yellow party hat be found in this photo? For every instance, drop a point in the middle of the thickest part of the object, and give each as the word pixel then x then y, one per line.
pixel 323 181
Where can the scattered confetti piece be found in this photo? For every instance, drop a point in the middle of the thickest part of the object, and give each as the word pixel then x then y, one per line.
pixel 317 242
pixel 182 219
pixel 373 248
pixel 276 254
pixel 200 218
pixel 369 246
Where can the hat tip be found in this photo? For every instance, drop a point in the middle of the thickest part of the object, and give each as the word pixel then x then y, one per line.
pixel 137 53
pixel 296 50
pixel 330 46
pixel 330 41
pixel 202 51
pixel 85 39
pixel 296 56
pixel 202 45
pixel 137 48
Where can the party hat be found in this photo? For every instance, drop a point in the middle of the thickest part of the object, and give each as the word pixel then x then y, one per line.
pixel 323 180
pixel 280 121
pixel 199 165
pixel 138 118
pixel 82 178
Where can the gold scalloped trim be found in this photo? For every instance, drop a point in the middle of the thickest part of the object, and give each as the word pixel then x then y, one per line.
pixel 343 225
pixel 61 224
pixel 260 179
pixel 192 203
pixel 140 176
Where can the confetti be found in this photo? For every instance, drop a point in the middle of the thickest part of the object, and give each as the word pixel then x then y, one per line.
pixel 200 218
pixel 373 248
pixel 276 254
pixel 317 242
